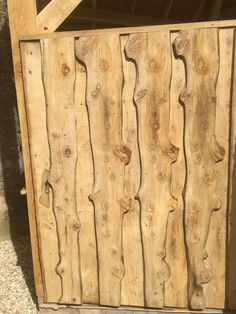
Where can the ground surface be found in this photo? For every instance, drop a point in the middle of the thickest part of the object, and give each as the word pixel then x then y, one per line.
pixel 17 294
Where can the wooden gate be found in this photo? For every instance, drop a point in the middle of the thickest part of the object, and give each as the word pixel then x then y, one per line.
pixel 129 135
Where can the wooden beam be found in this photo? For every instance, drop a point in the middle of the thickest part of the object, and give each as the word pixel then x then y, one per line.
pixel 168 6
pixel 215 10
pixel 115 18
pixel 137 29
pixel 22 20
pixel 54 14
pixel 198 12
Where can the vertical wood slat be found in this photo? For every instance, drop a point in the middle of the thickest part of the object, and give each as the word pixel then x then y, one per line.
pixel 176 285
pixel 132 284
pixel 36 113
pixel 58 64
pixel 216 244
pixel 200 52
pixel 102 57
pixel 231 235
pixel 85 175
pixel 151 53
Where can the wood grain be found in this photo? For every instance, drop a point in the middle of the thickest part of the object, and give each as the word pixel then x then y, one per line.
pixel 58 64
pixel 132 284
pixel 216 244
pixel 85 209
pixel 176 285
pixel 200 51
pixel 152 56
pixel 102 57
pixel 39 149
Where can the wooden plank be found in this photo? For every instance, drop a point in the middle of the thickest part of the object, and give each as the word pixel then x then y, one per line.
pixel 54 14
pixel 132 284
pixel 168 6
pixel 198 11
pixel 58 64
pixel 176 285
pixel 215 10
pixel 85 178
pixel 199 48
pixel 137 29
pixel 102 57
pixel 36 119
pixel 152 56
pixel 216 244
pixel 231 239
pixel 22 18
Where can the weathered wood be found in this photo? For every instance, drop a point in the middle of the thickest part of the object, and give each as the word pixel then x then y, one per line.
pixel 36 119
pixel 132 284
pixel 176 285
pixel 231 236
pixel 54 14
pixel 152 56
pixel 216 244
pixel 22 20
pixel 137 29
pixel 85 175
pixel 102 57
pixel 58 64
pixel 199 48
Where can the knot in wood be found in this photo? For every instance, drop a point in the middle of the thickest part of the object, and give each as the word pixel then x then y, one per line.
pixel 123 152
pixel 153 66
pixel 67 152
pixel 104 65
pixel 206 275
pixel 140 94
pixel 76 226
pixel 65 69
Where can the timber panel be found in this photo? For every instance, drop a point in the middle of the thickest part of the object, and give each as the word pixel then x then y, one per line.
pixel 129 138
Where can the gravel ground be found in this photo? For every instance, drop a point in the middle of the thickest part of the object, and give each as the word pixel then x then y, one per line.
pixel 17 294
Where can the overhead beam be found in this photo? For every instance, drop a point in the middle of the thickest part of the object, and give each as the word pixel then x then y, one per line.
pixel 168 6
pixel 199 10
pixel 54 14
pixel 215 10
pixel 133 6
pixel 117 18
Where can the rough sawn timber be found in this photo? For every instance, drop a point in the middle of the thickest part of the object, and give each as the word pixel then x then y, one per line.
pixel 151 53
pixel 102 58
pixel 58 64
pixel 200 51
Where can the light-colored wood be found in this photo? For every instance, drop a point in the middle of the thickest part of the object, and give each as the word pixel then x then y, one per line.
pixel 58 64
pixel 132 284
pixel 119 18
pixel 85 177
pixel 102 57
pixel 176 285
pixel 54 14
pixel 22 20
pixel 216 243
pixel 138 29
pixel 36 119
pixel 231 236
pixel 200 52
pixel 152 56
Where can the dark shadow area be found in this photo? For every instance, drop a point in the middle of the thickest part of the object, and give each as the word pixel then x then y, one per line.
pixel 11 167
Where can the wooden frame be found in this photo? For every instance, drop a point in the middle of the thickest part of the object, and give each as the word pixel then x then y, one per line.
pixel 24 23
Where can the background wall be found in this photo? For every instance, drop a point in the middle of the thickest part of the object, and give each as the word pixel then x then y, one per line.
pixel 13 210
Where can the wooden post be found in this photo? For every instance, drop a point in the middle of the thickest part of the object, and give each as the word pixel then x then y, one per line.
pixel 22 20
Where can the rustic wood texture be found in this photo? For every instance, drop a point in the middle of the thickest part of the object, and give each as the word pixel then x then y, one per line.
pixel 37 125
pixel 132 245
pixel 216 244
pixel 85 209
pixel 201 55
pixel 176 285
pixel 151 53
pixel 58 64
pixel 102 57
